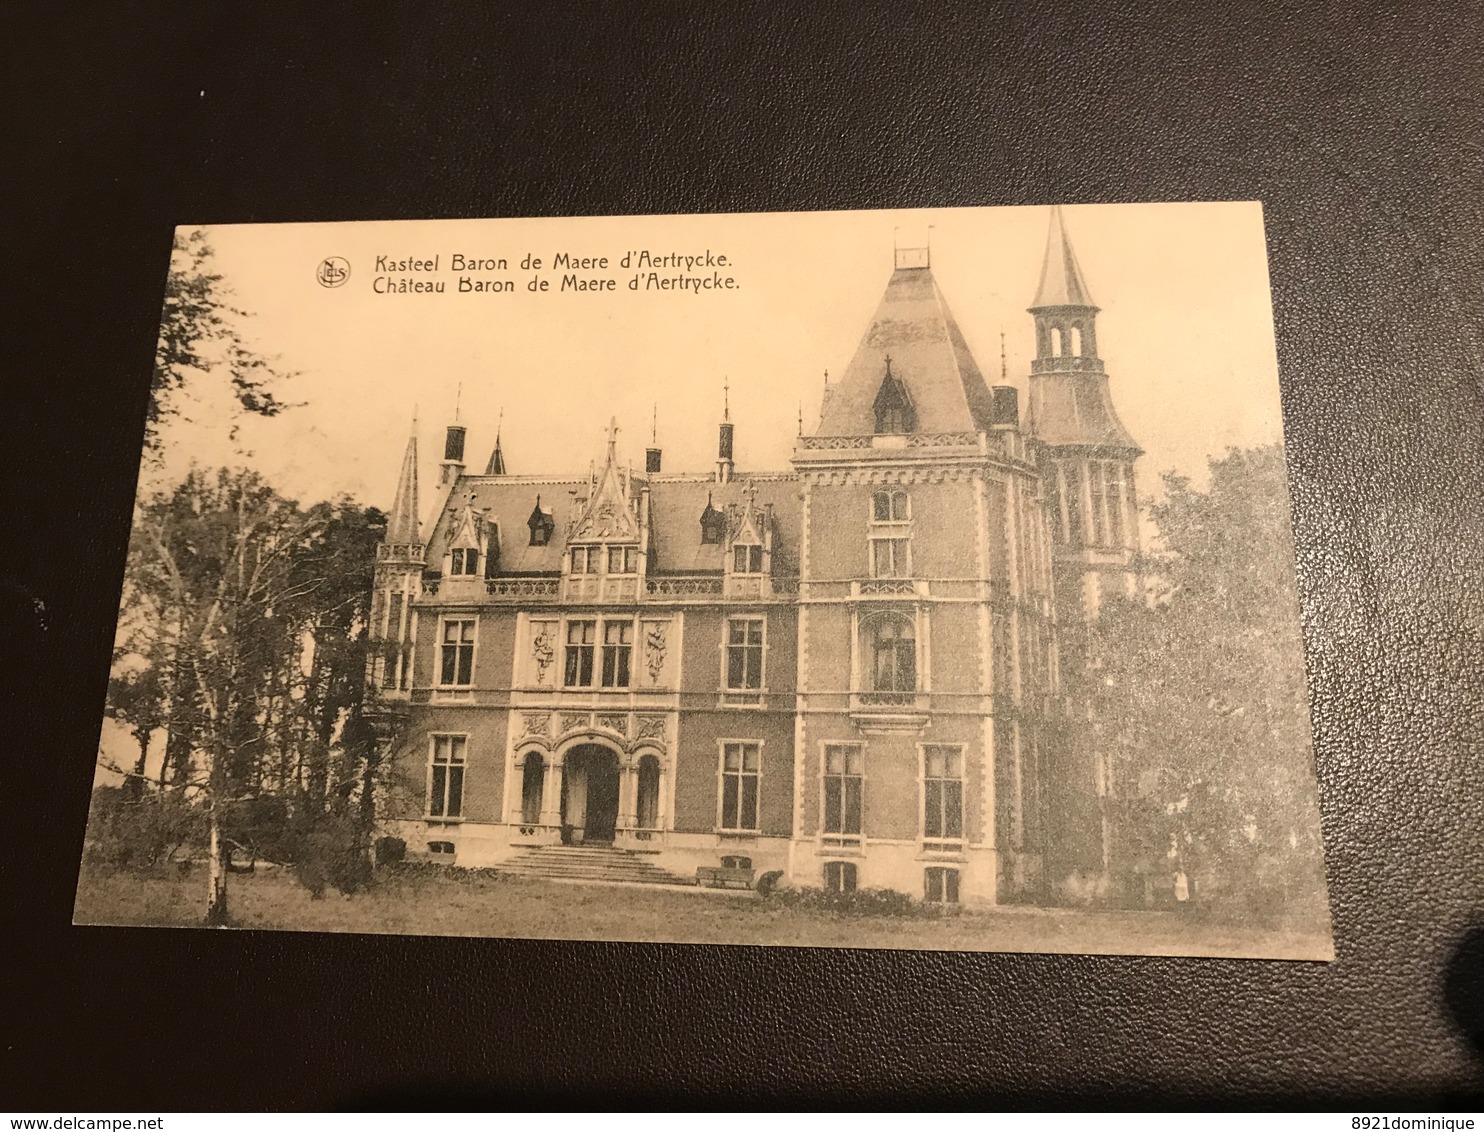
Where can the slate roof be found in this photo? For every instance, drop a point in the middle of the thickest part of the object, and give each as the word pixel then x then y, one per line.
pixel 1076 409
pixel 402 520
pixel 676 502
pixel 914 326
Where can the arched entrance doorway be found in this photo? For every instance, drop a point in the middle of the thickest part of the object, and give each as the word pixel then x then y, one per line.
pixel 589 794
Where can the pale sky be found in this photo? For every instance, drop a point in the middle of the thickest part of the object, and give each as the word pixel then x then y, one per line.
pixel 1185 331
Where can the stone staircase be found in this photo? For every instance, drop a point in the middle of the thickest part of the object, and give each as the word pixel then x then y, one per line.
pixel 595 863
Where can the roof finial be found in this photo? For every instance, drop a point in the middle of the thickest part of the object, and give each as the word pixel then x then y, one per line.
pixel 499 424
pixel 801 418
pixel 458 396
pixel 1004 368
pixel 726 399
pixel 654 432
pixel 612 437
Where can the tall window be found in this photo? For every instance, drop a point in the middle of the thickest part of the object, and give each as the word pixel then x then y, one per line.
pixel 747 558
pixel 618 644
pixel 458 653
pixel 844 767
pixel 741 768
pixel 889 507
pixel 839 876
pixel 1115 504
pixel 581 636
pixel 893 654
pixel 585 559
pixel 623 560
pixel 1053 503
pixel 942 793
pixel 1074 504
pixel 940 885
pixel 463 560
pixel 446 782
pixel 745 654
pixel 889 558
pixel 1097 496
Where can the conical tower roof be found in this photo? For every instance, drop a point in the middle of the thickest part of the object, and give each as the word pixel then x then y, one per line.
pixel 402 525
pixel 1062 284
pixel 915 330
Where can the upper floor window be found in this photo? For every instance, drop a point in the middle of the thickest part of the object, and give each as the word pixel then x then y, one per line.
pixel 942 793
pixel 1097 503
pixel 581 640
pixel 747 558
pixel 745 654
pixel 893 642
pixel 586 559
pixel 1116 536
pixel 889 558
pixel 457 668
pixel 446 776
pixel 618 647
pixel 463 561
pixel 844 787
pixel 623 560
pixel 889 507
pixel 741 772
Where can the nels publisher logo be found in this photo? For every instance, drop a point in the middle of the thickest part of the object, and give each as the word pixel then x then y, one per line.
pixel 332 271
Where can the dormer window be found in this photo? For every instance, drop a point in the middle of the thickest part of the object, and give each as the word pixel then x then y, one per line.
pixel 541 523
pixel 894 413
pixel 463 561
pixel 713 525
pixel 747 558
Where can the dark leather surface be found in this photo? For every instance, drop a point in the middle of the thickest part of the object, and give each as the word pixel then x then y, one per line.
pixel 1358 126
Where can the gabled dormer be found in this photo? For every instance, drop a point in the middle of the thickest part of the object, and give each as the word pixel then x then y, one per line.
pixel 749 556
pixel 893 406
pixel 542 524
pixel 473 546
pixel 607 542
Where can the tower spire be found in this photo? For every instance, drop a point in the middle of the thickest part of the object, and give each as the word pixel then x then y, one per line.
pixel 1062 284
pixel 496 466
pixel 402 525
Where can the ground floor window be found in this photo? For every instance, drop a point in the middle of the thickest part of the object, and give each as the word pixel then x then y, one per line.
pixel 844 785
pixel 741 768
pixel 940 886
pixel 647 809
pixel 446 780
pixel 839 876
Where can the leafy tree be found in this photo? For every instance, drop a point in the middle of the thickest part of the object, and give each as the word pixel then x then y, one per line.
pixel 200 332
pixel 247 615
pixel 1198 693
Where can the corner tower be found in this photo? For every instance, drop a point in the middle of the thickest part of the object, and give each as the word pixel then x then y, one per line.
pixel 398 582
pixel 926 650
pixel 1087 453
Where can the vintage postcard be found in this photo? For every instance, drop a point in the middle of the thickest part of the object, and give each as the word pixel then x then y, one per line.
pixel 915 579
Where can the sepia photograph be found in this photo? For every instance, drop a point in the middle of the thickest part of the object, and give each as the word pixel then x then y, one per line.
pixel 888 579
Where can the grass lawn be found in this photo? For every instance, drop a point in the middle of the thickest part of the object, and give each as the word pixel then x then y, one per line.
pixel 457 902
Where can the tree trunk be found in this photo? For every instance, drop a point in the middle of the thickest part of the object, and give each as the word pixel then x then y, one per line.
pixel 134 784
pixel 216 900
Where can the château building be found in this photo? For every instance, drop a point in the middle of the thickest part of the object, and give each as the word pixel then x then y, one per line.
pixel 847 671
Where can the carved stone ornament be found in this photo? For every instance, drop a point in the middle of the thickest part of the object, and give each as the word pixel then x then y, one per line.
pixel 651 727
pixel 535 723
pixel 574 721
pixel 613 721
pixel 654 648
pixel 543 651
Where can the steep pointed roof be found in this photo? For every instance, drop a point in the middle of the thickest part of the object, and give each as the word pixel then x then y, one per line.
pixel 1062 284
pixel 914 327
pixel 609 511
pixel 496 465
pixel 402 525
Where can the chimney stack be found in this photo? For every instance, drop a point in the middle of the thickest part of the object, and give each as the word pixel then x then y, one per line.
pixel 453 455
pixel 1005 406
